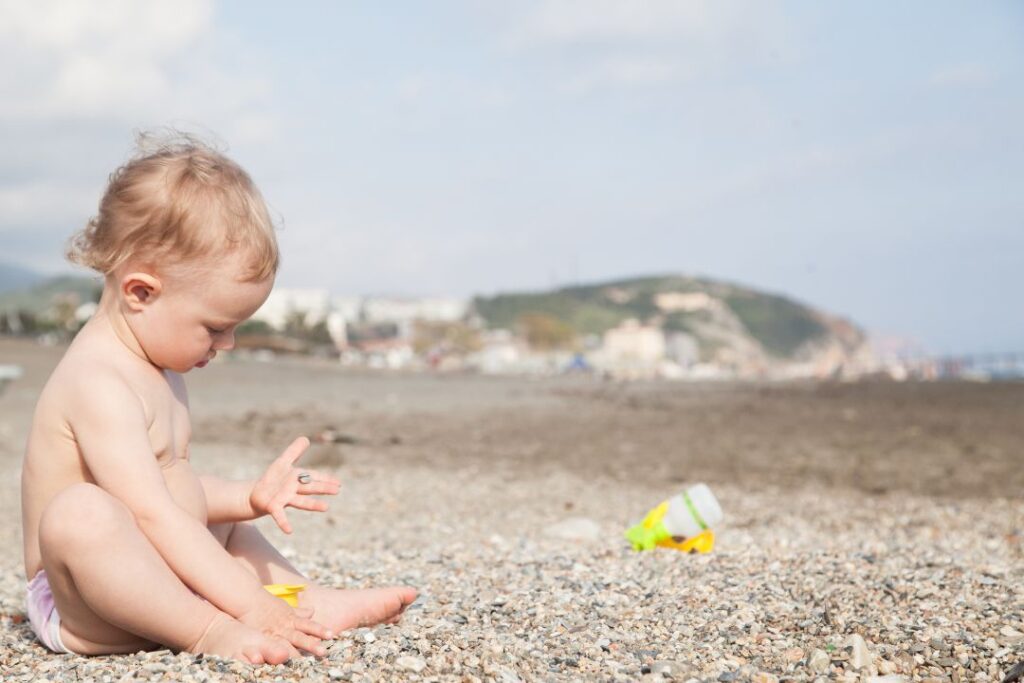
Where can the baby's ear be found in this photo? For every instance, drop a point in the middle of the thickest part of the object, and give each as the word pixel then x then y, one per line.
pixel 140 289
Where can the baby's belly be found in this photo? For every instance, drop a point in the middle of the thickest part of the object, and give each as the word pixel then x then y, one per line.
pixel 185 488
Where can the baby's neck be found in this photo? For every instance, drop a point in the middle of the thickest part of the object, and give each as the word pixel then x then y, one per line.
pixel 109 324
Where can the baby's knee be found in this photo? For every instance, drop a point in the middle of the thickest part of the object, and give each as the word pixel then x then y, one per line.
pixel 81 512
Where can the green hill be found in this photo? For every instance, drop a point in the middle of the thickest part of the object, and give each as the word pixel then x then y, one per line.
pixel 779 325
pixel 40 298
pixel 15 277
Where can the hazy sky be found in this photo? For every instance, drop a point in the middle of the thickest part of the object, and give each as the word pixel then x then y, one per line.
pixel 867 158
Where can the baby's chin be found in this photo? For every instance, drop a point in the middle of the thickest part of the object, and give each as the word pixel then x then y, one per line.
pixel 182 369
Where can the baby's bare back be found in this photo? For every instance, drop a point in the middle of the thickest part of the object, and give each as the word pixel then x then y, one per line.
pixel 53 459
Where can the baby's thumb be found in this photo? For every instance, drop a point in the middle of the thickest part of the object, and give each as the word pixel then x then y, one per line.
pixel 281 519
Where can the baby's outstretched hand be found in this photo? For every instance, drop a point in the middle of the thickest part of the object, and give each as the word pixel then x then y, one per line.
pixel 284 485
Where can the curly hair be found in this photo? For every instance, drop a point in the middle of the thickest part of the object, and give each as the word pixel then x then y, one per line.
pixel 178 200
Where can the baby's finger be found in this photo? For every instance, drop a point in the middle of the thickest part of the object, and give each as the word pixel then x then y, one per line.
pixel 319 479
pixel 318 489
pixel 307 642
pixel 277 513
pixel 294 451
pixel 311 504
pixel 324 478
pixel 314 628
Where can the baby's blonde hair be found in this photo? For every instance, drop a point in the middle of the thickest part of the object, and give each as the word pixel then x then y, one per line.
pixel 178 201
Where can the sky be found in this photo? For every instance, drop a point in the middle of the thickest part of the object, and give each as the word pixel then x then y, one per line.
pixel 864 158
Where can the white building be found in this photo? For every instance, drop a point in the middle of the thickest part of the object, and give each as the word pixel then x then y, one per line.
pixel 401 310
pixel 337 327
pixel 350 308
pixel 682 348
pixel 685 301
pixel 634 343
pixel 341 313
pixel 314 304
pixel 631 350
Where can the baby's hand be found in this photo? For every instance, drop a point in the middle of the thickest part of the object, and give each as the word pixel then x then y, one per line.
pixel 274 617
pixel 280 487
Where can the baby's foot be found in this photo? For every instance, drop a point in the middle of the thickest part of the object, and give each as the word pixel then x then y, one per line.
pixel 340 610
pixel 232 639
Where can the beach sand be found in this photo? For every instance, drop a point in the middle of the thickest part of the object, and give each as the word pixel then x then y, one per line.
pixel 870 530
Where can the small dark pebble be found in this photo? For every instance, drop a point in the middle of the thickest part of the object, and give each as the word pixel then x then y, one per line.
pixel 727 677
pixel 1016 673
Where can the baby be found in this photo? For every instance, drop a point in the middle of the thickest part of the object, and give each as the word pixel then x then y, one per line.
pixel 127 547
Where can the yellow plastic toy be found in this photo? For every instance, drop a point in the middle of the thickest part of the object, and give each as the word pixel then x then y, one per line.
pixel 289 592
pixel 682 523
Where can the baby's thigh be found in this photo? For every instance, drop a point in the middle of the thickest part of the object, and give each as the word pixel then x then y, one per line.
pixel 78 618
pixel 64 527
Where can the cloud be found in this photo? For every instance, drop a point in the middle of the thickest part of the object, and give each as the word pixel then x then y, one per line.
pixel 611 21
pixel 649 42
pixel 124 61
pixel 105 59
pixel 962 76
pixel 629 71
pixel 81 77
pixel 22 205
pixel 424 88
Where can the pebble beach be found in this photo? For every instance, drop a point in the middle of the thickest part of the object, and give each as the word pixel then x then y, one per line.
pixel 872 533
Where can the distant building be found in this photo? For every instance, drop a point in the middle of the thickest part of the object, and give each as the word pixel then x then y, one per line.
pixel 350 308
pixel 282 304
pixel 399 310
pixel 635 343
pixel 682 349
pixel 390 354
pixel 684 301
pixel 501 353
pixel 631 350
pixel 85 311
pixel 337 327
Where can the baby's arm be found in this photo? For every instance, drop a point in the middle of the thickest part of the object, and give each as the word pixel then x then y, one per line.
pixel 227 500
pixel 110 427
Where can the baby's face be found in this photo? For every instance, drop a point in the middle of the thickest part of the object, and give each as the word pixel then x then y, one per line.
pixel 196 315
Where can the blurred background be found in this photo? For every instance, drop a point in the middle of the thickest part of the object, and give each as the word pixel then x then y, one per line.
pixel 775 189
pixel 546 263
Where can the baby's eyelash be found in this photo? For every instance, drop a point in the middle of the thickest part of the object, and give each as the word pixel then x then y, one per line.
pixel 213 330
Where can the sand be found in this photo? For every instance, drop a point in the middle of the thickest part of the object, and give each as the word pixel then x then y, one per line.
pixel 872 531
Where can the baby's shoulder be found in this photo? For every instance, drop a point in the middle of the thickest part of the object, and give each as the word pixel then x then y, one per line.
pixel 85 377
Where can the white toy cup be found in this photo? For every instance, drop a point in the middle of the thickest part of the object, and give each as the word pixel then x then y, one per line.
pixel 691 512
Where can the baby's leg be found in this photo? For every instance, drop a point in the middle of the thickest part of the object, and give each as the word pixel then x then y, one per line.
pixel 336 609
pixel 115 593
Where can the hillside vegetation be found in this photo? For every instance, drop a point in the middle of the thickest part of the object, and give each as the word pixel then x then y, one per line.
pixel 15 277
pixel 40 297
pixel 779 325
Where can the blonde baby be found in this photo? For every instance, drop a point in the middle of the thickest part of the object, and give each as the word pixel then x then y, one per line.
pixel 127 547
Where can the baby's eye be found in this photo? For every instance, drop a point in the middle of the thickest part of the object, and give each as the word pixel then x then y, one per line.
pixel 212 330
